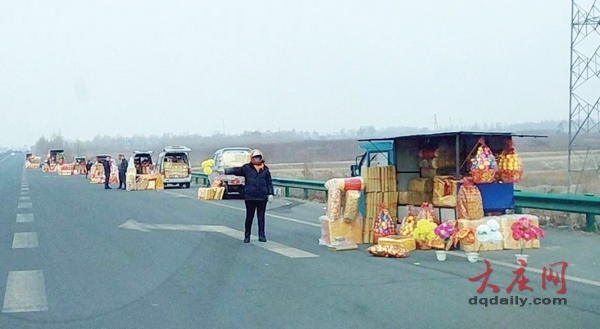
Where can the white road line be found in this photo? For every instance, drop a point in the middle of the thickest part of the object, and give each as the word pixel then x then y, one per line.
pixel 25 292
pixel 23 240
pixel 24 218
pixel 24 198
pixel 25 205
pixel 244 210
pixel 268 215
pixel 270 245
pixel 24 188
pixel 529 269
pixel 24 192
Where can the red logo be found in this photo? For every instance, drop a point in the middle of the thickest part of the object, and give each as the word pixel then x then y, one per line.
pixel 554 277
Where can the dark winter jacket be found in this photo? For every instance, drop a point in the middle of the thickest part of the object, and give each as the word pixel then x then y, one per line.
pixel 123 166
pixel 106 165
pixel 258 184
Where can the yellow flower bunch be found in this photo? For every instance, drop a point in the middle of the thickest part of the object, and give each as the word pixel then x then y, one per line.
pixel 425 230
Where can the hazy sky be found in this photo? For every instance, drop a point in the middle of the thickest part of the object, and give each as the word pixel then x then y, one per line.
pixel 149 67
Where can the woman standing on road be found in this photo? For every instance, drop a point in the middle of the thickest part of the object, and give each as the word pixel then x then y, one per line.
pixel 258 191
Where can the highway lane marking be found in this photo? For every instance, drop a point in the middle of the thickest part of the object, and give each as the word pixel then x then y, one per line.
pixel 244 210
pixel 270 245
pixel 24 188
pixel 25 292
pixel 25 205
pixel 500 263
pixel 24 192
pixel 530 269
pixel 275 247
pixel 24 198
pixel 24 218
pixel 23 240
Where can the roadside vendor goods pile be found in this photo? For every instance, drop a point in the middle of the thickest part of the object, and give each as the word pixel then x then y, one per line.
pixel 469 202
pixel 433 163
pixel 506 223
pixel 79 169
pixel 341 226
pixel 97 175
pixel 381 188
pixel 176 170
pixel 215 192
pixel 149 182
pixel 509 165
pixel 65 169
pixel 33 162
pixel 483 164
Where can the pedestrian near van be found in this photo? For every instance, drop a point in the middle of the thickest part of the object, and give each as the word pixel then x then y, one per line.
pixel 123 172
pixel 107 168
pixel 258 190
pixel 88 167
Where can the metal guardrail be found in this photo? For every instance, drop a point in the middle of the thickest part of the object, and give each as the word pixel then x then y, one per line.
pixel 579 204
pixel 286 183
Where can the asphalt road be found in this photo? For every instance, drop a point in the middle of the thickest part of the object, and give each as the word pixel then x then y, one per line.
pixel 145 259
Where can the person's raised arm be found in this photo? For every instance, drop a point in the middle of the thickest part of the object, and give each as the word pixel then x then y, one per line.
pixel 237 171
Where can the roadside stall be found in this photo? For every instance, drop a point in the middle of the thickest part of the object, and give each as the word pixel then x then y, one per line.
pixel 54 158
pixel 141 173
pixel 33 162
pixel 79 165
pixel 421 181
pixel 96 174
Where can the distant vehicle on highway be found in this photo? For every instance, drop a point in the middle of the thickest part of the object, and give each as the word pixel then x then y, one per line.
pixel 12 153
pixel 174 165
pixel 229 157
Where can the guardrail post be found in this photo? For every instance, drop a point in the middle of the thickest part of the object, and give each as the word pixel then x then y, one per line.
pixel 305 194
pixel 287 192
pixel 518 210
pixel 590 222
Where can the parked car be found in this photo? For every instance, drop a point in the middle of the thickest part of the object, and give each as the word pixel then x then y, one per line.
pixel 229 157
pixel 174 165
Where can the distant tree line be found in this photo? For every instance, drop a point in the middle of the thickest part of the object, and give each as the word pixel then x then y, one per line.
pixel 288 146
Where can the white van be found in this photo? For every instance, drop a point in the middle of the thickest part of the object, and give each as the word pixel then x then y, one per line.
pixel 174 165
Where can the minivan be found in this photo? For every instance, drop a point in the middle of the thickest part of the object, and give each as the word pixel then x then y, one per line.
pixel 174 166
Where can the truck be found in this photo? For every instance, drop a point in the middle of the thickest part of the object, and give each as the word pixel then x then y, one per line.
pixel 229 157
pixel 173 164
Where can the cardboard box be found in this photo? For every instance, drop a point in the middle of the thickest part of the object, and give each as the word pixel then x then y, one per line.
pixel 407 243
pixel 509 242
pixel 465 223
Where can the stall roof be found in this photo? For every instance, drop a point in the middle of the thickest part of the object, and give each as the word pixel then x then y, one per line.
pixel 450 134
